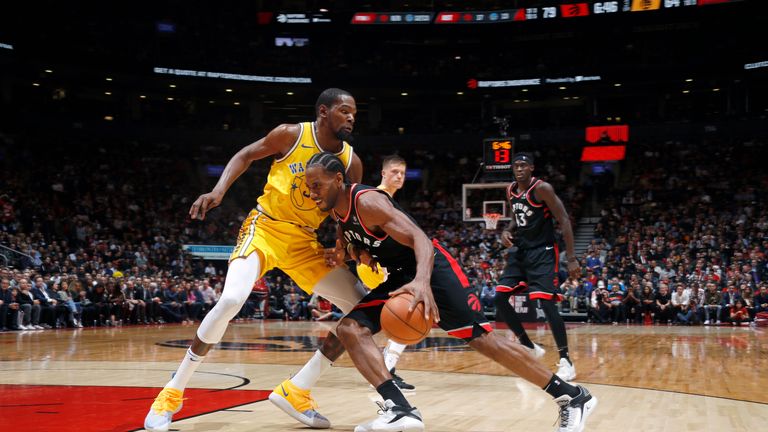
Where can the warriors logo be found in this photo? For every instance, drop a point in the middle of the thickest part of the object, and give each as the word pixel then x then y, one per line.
pixel 300 194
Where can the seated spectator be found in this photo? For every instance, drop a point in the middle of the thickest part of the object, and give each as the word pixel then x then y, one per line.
pixel 712 302
pixel 685 313
pixel 598 311
pixel 615 303
pixel 30 306
pixel 749 301
pixel 648 303
pixel 117 304
pixel 761 299
pixel 487 294
pixel 568 288
pixel 9 308
pixel 738 313
pixel 664 312
pixel 680 301
pixel 632 304
pixel 293 307
pixel 322 310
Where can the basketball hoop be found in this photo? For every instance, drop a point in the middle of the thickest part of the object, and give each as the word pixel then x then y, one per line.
pixel 491 219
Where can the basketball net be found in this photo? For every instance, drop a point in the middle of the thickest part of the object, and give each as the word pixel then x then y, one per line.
pixel 491 219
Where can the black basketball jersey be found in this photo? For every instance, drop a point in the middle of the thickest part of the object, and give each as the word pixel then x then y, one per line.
pixel 535 226
pixel 386 250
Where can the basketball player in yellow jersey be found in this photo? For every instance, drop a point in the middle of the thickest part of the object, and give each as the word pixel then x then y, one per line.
pixel 279 232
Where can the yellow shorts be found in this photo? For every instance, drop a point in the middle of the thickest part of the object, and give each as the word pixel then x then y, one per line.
pixel 370 278
pixel 291 248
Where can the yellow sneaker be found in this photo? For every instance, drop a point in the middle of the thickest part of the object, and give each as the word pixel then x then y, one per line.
pixel 298 403
pixel 160 415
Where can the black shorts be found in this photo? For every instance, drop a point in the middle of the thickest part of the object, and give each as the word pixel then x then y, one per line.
pixel 533 271
pixel 460 310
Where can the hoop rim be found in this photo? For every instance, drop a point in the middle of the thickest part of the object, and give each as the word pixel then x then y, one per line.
pixel 491 219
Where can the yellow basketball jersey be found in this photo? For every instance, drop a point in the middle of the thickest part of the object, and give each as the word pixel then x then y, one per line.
pixel 286 195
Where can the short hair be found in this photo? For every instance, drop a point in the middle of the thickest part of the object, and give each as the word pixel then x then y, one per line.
pixel 329 162
pixel 328 97
pixel 393 160
pixel 523 156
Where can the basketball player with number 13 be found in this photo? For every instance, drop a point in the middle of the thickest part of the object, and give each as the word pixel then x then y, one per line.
pixel 533 266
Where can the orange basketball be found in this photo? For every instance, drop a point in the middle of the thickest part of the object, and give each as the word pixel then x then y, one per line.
pixel 402 326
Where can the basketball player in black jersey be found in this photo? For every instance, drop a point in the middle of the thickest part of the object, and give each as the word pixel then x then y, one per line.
pixel 533 266
pixel 369 219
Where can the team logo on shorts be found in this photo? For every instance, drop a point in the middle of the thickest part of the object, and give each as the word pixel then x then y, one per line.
pixel 474 302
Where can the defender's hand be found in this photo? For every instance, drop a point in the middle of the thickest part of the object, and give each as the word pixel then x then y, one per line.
pixel 204 203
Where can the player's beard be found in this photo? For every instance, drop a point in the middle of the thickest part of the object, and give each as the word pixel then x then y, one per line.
pixel 343 135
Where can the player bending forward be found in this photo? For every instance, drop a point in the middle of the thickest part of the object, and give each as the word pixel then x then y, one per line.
pixel 368 218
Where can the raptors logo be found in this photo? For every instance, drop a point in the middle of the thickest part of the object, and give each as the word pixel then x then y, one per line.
pixel 300 194
pixel 474 302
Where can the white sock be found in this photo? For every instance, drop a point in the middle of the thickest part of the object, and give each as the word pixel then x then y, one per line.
pixel 309 374
pixel 392 354
pixel 186 369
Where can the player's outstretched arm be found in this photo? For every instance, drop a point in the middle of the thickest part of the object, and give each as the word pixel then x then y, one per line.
pixel 377 212
pixel 278 141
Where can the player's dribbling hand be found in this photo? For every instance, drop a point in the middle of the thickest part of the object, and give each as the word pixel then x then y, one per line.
pixel 506 238
pixel 205 202
pixel 422 293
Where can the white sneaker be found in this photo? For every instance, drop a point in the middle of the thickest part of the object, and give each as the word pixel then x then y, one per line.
pixel 537 351
pixel 38 327
pixel 167 403
pixel 393 418
pixel 23 327
pixel 719 322
pixel 575 410
pixel 566 370
pixel 706 322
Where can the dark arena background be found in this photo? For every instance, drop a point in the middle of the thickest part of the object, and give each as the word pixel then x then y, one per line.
pixel 648 117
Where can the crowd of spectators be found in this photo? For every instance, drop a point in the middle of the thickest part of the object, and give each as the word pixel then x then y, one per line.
pixel 685 242
pixel 99 236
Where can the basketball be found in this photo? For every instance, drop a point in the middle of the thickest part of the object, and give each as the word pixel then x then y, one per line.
pixel 402 326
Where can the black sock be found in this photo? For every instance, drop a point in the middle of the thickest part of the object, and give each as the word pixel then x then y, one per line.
pixel 388 390
pixel 557 325
pixel 507 313
pixel 557 387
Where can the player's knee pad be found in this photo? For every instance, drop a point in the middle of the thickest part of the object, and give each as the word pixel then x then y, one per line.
pixel 341 288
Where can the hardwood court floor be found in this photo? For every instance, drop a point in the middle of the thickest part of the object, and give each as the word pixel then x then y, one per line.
pixel 646 378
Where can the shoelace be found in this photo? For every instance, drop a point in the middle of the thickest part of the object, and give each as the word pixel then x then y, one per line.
pixel 165 402
pixel 382 408
pixel 565 415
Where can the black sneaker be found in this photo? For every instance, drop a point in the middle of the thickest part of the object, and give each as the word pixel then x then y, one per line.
pixel 575 410
pixel 402 385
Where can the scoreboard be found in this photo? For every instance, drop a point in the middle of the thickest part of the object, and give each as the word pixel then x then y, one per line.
pixel 566 10
pixel 497 155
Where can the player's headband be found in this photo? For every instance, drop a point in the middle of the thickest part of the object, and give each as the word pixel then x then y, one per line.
pixel 523 157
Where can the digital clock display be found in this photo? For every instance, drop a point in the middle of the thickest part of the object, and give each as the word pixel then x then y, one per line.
pixel 497 154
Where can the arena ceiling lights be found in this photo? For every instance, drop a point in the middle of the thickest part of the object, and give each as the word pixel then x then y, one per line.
pixel 231 76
